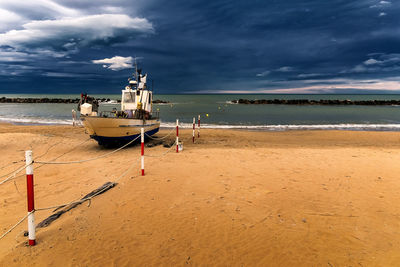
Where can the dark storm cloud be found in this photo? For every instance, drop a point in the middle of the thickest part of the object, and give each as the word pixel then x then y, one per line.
pixel 204 46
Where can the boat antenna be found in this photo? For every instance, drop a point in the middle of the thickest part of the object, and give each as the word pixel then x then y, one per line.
pixel 136 76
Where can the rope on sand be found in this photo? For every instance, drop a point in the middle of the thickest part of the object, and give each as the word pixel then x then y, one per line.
pixel 91 159
pixel 70 203
pixel 8 165
pixel 18 169
pixel 14 171
pixel 48 149
pixel 15 225
pixel 115 181
pixel 74 203
pixel 23 160
pixel 160 138
pixel 81 143
pixel 13 174
pixel 163 154
pixel 172 145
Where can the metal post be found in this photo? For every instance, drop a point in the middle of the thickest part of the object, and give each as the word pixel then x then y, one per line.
pixel 177 135
pixel 31 198
pixel 142 149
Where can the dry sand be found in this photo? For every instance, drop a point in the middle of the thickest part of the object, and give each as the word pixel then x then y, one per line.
pixel 235 198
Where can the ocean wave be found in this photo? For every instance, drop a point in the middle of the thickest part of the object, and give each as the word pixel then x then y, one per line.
pixel 176 103
pixel 108 103
pixel 286 127
pixel 275 127
pixel 165 104
pixel 35 121
pixel 226 102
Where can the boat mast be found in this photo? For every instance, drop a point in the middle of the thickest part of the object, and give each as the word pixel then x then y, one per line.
pixel 136 76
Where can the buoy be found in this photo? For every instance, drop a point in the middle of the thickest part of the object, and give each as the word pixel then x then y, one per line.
pixel 207 115
pixel 180 146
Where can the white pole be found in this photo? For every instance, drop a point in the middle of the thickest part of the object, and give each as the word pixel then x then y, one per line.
pixel 73 117
pixel 142 149
pixel 31 198
pixel 177 135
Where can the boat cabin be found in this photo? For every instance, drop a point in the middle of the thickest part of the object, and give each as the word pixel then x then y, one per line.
pixel 137 100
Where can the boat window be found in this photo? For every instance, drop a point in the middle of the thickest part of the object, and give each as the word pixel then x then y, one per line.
pixel 129 97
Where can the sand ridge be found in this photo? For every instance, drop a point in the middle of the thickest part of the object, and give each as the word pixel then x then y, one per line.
pixel 235 198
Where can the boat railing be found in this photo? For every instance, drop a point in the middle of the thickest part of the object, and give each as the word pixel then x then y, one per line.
pixel 108 114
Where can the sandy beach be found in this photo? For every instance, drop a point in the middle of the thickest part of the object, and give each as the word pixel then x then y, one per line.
pixel 234 198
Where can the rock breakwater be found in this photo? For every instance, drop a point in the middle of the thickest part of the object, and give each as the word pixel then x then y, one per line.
pixel 317 102
pixel 61 100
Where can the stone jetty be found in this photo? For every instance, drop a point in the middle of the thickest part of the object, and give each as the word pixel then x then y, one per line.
pixel 43 100
pixel 317 102
pixel 59 100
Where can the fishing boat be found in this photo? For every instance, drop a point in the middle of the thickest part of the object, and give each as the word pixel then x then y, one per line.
pixel 122 126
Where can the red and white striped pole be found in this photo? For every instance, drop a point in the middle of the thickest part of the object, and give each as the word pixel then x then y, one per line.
pixel 31 198
pixel 198 129
pixel 177 135
pixel 194 126
pixel 142 149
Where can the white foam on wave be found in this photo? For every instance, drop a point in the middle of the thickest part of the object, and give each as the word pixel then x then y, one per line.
pixel 174 103
pixel 228 102
pixel 108 104
pixel 40 121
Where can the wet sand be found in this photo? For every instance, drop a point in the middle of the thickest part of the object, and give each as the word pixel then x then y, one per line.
pixel 234 198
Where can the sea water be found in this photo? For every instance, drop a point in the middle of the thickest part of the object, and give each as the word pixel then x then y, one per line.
pixel 217 111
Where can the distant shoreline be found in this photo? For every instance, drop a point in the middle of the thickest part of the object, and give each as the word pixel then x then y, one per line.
pixel 375 102
pixel 205 94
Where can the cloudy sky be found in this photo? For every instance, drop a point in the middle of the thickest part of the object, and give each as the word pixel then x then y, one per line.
pixel 336 46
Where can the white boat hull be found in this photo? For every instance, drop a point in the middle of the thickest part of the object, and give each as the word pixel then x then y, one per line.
pixel 121 130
